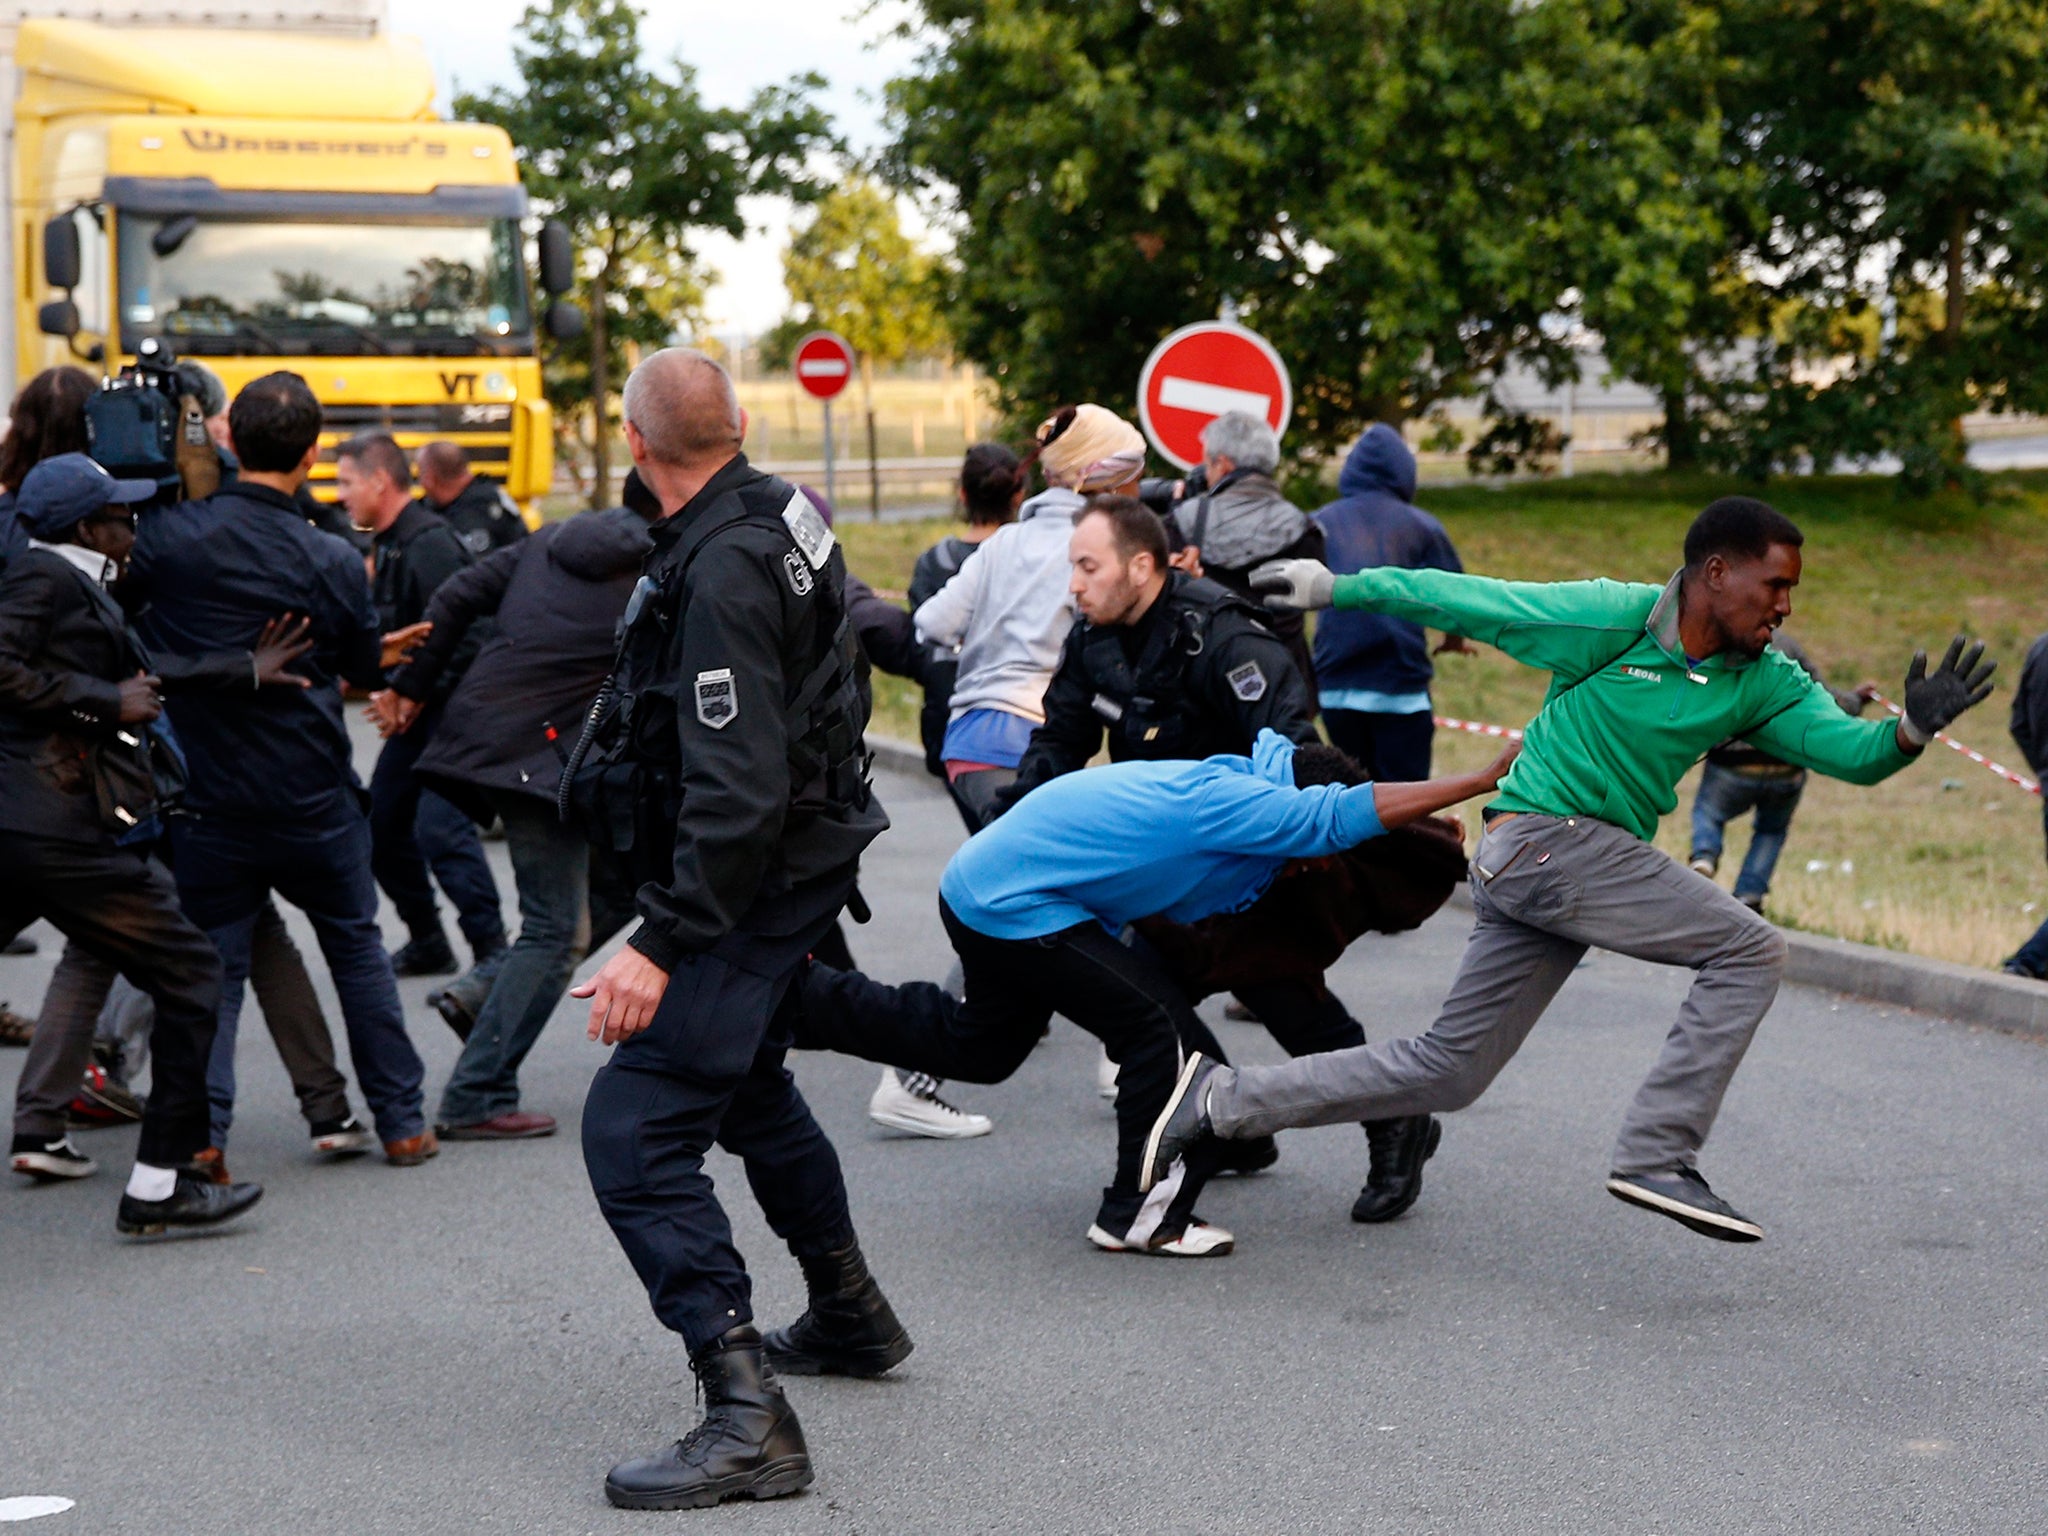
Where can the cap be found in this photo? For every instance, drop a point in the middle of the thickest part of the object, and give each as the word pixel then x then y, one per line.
pixel 60 493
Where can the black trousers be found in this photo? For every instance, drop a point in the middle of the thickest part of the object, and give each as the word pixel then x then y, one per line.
pixel 412 830
pixel 123 907
pixel 1013 987
pixel 710 1069
pixel 1391 747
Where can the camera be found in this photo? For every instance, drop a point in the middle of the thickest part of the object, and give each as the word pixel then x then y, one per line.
pixel 136 422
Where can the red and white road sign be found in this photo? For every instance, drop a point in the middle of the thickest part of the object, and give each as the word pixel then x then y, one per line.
pixel 824 364
pixel 1201 371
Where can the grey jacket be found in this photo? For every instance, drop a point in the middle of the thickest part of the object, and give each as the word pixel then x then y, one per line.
pixel 1244 521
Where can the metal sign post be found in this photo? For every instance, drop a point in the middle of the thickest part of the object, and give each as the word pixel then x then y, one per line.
pixel 831 491
pixel 824 366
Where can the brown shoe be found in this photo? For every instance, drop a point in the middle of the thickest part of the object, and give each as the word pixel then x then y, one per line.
pixel 412 1151
pixel 513 1125
pixel 210 1167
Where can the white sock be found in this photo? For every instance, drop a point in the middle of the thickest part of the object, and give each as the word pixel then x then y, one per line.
pixel 151 1183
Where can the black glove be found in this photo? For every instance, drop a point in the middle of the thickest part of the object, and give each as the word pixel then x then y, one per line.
pixel 1933 700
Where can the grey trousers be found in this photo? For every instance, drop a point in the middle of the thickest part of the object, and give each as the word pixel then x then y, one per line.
pixel 1546 889
pixel 80 987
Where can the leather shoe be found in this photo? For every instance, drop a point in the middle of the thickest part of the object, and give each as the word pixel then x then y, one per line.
pixel 749 1445
pixel 513 1125
pixel 411 1151
pixel 1399 1149
pixel 191 1204
pixel 210 1167
pixel 426 954
pixel 453 1014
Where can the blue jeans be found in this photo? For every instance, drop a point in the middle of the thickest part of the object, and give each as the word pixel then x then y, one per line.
pixel 226 872
pixel 414 830
pixel 560 921
pixel 1725 795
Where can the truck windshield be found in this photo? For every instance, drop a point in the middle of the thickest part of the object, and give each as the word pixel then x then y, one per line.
pixel 267 285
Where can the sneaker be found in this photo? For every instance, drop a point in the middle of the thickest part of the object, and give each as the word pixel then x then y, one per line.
pixel 342 1138
pixel 1238 1013
pixel 1197 1240
pixel 1754 903
pixel 16 1029
pixel 911 1104
pixel 1704 864
pixel 424 955
pixel 1682 1194
pixel 101 1100
pixel 1105 1076
pixel 46 1161
pixel 1182 1124
pixel 192 1203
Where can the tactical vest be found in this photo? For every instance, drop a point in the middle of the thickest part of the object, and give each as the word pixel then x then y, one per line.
pixel 1150 707
pixel 622 781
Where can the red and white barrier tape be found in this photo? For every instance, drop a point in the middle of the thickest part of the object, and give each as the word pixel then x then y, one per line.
pixel 1477 728
pixel 1974 756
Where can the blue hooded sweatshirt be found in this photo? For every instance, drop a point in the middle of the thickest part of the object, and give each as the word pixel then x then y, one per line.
pixel 1364 661
pixel 1184 839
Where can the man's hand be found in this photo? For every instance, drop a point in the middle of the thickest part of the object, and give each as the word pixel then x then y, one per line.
pixel 1187 558
pixel 1495 771
pixel 382 712
pixel 1934 699
pixel 623 996
pixel 1296 584
pixel 401 643
pixel 1454 645
pixel 283 641
pixel 140 701
pixel 404 712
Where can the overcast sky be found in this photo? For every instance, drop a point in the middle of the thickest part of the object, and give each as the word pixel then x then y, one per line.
pixel 736 49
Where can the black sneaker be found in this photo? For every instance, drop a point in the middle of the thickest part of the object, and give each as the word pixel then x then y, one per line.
pixel 425 955
pixel 46 1159
pixel 1399 1149
pixel 1682 1194
pixel 342 1138
pixel 1182 1125
pixel 193 1203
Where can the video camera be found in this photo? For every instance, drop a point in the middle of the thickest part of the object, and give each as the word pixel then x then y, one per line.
pixel 140 421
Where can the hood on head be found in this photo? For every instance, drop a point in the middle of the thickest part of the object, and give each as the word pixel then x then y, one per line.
pixel 1053 501
pixel 600 546
pixel 1379 461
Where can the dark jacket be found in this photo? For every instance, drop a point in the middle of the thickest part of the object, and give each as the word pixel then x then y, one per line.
pixel 1374 522
pixel 408 563
pixel 65 647
pixel 557 598
pixel 1198 675
pixel 740 620
pixel 482 516
pixel 211 574
pixel 2029 722
pixel 1238 525
pixel 13 537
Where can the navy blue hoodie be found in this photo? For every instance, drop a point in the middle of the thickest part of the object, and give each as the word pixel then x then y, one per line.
pixel 1375 522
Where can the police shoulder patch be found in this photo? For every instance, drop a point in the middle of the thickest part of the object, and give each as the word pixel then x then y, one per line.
pixel 1247 682
pixel 799 574
pixel 810 531
pixel 718 700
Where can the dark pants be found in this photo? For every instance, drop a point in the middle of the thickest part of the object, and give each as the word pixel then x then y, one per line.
pixel 1013 987
pixel 710 1069
pixel 1390 747
pixel 124 908
pixel 563 915
pixel 412 830
pixel 227 870
pixel 2032 956
pixel 1726 795
pixel 974 794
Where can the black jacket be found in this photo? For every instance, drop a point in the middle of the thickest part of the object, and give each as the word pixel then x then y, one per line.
pixel 742 605
pixel 2029 721
pixel 408 563
pixel 482 517
pixel 65 647
pixel 557 598
pixel 1207 677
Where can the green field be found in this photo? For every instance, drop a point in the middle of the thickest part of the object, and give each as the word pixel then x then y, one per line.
pixel 1945 859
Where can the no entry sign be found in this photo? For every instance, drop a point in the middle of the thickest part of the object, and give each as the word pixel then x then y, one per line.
pixel 824 364
pixel 1201 371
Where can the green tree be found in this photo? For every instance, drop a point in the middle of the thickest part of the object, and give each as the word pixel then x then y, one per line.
pixel 636 164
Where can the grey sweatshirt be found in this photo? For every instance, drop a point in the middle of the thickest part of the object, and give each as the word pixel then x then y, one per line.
pixel 1008 610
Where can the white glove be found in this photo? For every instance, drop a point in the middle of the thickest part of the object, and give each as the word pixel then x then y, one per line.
pixel 1295 584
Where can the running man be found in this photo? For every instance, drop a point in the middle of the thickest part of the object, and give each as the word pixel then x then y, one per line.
pixel 1642 683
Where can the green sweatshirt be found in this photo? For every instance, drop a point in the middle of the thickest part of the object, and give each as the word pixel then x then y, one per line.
pixel 1625 716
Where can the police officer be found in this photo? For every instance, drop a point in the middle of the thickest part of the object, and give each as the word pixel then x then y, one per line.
pixel 483 516
pixel 1170 666
pixel 728 754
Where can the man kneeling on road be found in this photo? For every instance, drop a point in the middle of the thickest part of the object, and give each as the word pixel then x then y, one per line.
pixel 1643 682
pixel 1035 901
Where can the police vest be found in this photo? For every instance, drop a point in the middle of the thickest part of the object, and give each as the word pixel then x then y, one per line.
pixel 1151 707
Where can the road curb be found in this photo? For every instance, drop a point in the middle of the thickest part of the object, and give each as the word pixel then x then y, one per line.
pixel 896 756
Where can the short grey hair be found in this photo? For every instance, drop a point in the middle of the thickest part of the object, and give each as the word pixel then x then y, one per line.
pixel 1245 440
pixel 683 404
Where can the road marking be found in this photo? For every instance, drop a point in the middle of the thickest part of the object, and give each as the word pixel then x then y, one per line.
pixel 33 1506
pixel 1215 399
pixel 822 368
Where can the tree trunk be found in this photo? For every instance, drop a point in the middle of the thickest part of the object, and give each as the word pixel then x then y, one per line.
pixel 1958 244
pixel 867 401
pixel 600 391
pixel 1681 432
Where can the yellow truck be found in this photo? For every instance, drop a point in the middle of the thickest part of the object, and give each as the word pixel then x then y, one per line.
pixel 266 199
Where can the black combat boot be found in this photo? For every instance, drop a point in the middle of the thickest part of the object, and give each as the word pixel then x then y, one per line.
pixel 749 1445
pixel 849 1328
pixel 1399 1149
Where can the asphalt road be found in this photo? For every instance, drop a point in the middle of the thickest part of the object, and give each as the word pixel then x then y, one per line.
pixel 461 1347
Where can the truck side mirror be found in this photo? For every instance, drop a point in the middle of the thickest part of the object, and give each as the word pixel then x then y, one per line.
pixel 564 321
pixel 169 237
pixel 61 261
pixel 557 257
pixel 59 317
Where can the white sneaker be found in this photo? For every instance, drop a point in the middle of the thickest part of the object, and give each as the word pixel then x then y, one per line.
pixel 1199 1240
pixel 1105 1075
pixel 1705 866
pixel 911 1104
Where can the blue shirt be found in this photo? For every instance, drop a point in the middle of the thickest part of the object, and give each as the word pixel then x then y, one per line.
pixel 1181 839
pixel 213 572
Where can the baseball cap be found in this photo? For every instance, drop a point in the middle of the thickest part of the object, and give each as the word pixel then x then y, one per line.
pixel 62 492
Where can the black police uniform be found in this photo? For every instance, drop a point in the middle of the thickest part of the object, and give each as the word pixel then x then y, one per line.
pixel 482 515
pixel 727 754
